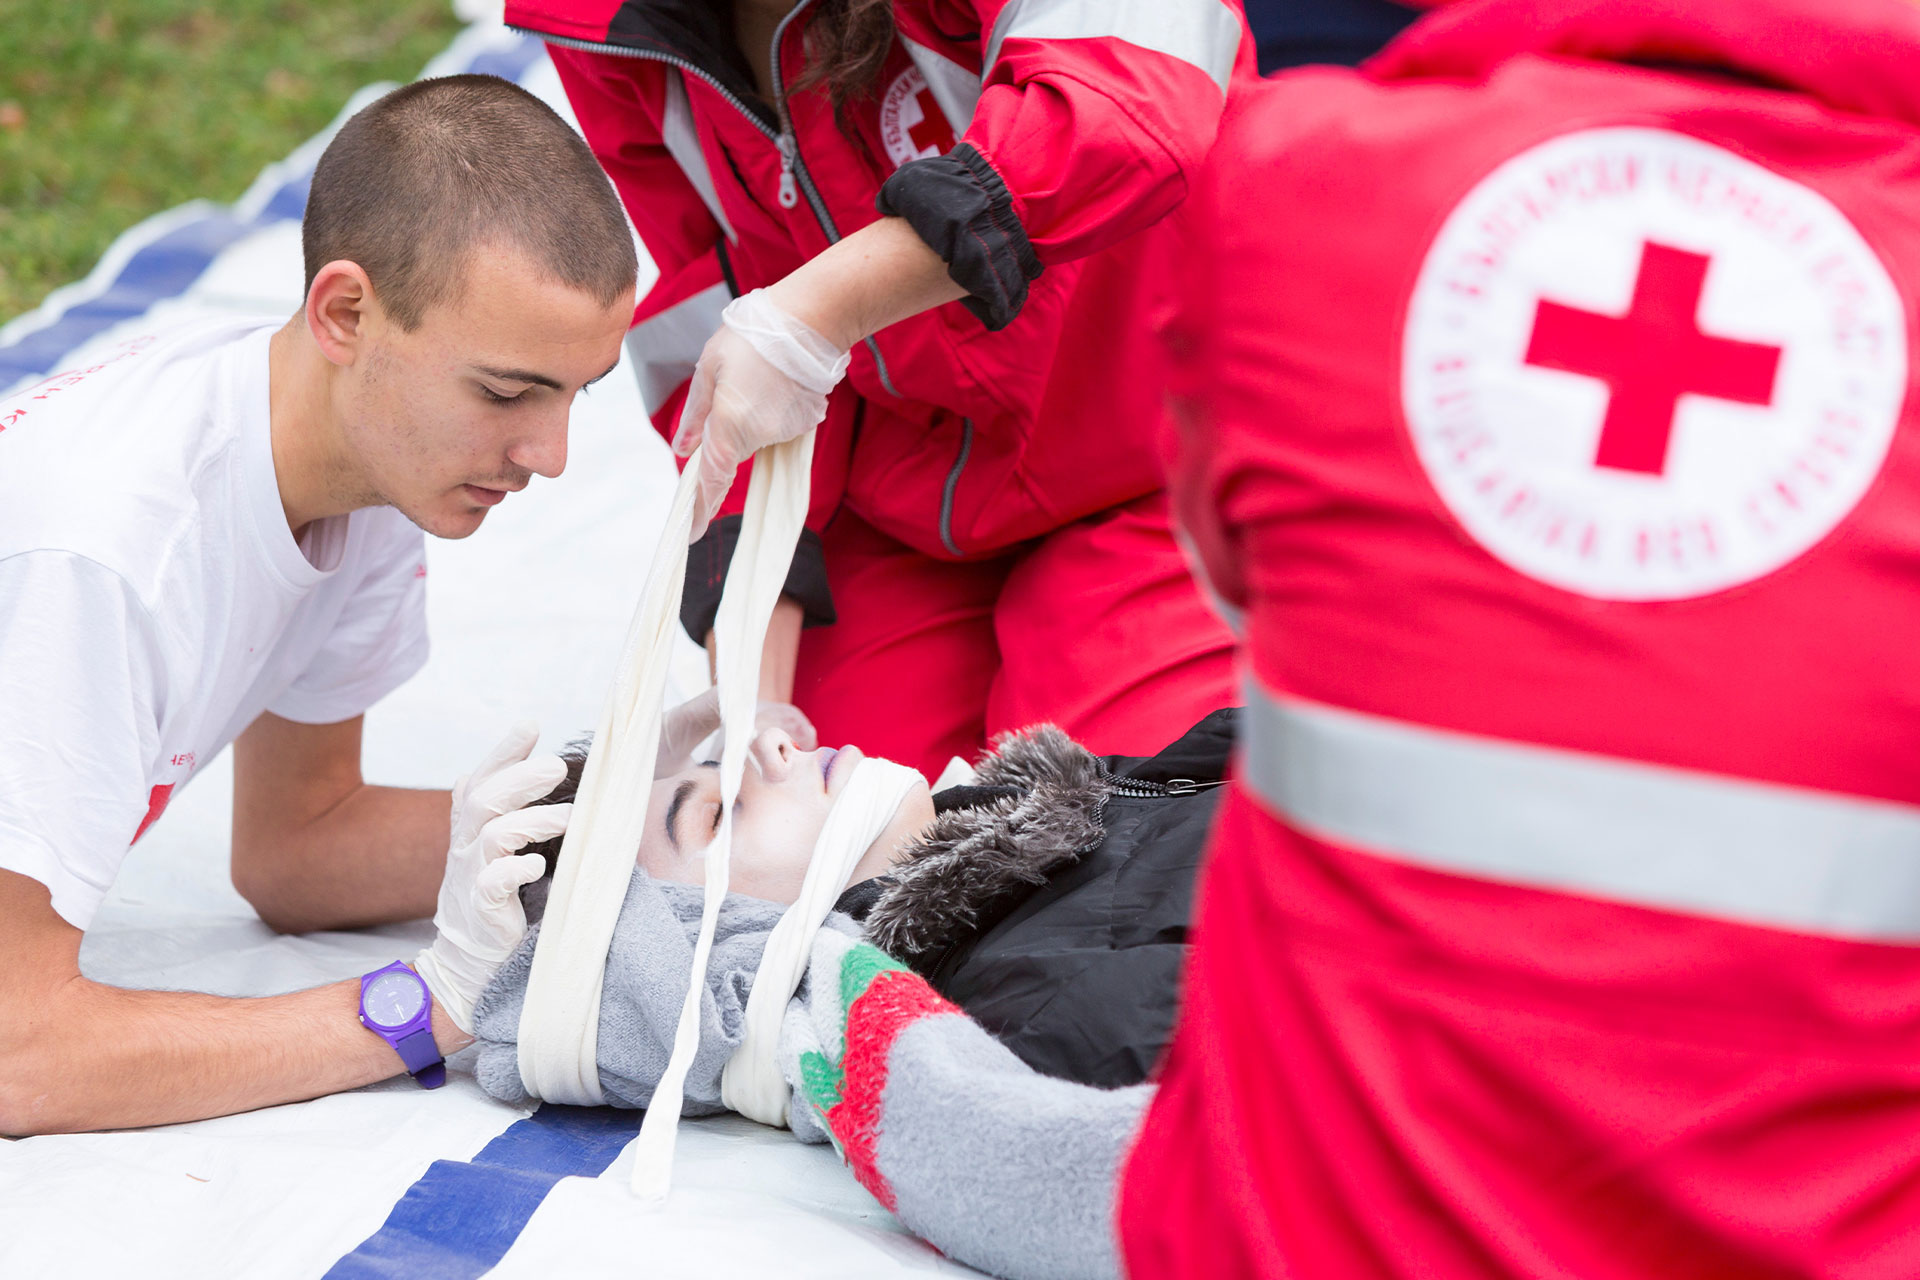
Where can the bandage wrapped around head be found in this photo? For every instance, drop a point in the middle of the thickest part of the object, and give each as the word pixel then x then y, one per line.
pixel 647 970
pixel 560 1019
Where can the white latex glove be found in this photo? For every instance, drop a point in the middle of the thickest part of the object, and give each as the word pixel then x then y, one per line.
pixel 762 378
pixel 691 723
pixel 479 920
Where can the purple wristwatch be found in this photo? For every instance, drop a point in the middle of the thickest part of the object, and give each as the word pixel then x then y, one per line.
pixel 395 1005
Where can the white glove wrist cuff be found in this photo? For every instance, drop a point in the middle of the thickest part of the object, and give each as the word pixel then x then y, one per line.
pixel 787 344
pixel 457 1004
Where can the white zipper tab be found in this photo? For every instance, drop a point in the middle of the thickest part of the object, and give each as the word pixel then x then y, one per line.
pixel 789 189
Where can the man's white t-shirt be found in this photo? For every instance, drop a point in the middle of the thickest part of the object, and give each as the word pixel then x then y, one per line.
pixel 153 601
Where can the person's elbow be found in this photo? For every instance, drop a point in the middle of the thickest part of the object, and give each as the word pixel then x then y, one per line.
pixel 33 1100
pixel 270 887
pixel 28 1105
pixel 45 1015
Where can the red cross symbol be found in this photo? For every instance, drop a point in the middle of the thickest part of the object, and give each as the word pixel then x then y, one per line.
pixel 1650 357
pixel 933 129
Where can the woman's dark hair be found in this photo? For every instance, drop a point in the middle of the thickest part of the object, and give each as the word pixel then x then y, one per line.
pixel 847 45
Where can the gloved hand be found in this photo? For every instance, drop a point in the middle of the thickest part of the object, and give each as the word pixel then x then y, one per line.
pixel 763 378
pixel 691 723
pixel 479 920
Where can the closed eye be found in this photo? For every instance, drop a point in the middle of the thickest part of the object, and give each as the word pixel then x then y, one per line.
pixel 489 394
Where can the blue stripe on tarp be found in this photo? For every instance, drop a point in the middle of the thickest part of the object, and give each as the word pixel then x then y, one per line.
pixel 163 269
pixel 169 266
pixel 461 1217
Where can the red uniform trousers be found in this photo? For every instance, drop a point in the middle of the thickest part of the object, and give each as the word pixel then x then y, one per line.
pixel 1097 627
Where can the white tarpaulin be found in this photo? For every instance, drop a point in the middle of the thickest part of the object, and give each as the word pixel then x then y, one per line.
pixel 394 1180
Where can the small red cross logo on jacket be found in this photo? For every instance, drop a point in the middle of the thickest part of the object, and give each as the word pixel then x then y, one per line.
pixel 912 126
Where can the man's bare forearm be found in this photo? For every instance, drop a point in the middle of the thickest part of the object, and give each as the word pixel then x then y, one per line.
pixel 98 1057
pixel 77 1055
pixel 375 857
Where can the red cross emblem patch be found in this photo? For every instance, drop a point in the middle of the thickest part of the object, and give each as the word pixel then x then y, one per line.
pixel 912 126
pixel 1639 367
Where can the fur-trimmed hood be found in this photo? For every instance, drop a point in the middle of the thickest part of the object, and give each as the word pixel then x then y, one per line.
pixel 1041 796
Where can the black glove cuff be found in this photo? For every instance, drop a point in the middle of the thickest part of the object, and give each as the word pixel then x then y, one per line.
pixel 961 208
pixel 707 562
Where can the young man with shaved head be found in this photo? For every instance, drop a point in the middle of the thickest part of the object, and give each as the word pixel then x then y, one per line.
pixel 214 535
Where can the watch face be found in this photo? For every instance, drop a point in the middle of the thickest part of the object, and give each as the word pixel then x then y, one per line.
pixel 392 1000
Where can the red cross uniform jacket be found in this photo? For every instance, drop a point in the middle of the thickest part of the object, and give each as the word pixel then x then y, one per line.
pixel 1549 421
pixel 1030 142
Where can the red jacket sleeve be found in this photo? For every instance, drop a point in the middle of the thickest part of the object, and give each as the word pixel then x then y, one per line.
pixel 1093 118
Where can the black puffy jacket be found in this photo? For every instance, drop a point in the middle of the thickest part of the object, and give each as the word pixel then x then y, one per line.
pixel 1051 900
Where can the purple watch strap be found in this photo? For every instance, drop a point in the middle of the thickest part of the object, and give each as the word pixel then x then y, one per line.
pixel 422 1058
pixel 413 1041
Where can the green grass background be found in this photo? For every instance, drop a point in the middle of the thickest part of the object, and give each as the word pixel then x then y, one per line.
pixel 112 111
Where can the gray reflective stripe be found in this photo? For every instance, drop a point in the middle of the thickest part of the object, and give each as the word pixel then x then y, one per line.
pixel 1235 620
pixel 880 366
pixel 953 484
pixel 955 88
pixel 1205 33
pixel 1810 861
pixel 665 347
pixel 682 141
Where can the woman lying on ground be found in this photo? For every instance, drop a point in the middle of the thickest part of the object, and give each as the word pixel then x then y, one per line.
pixel 1047 897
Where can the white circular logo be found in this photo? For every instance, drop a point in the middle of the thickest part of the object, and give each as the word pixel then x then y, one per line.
pixel 1639 367
pixel 912 126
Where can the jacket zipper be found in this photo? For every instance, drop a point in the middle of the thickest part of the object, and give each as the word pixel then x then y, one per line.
pixel 789 190
pixel 953 483
pixel 793 168
pixel 794 177
pixel 647 55
pixel 1142 789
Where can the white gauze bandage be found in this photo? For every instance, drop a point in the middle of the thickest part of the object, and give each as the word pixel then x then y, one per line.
pixel 560 1019
pixel 751 1082
pixel 559 1023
